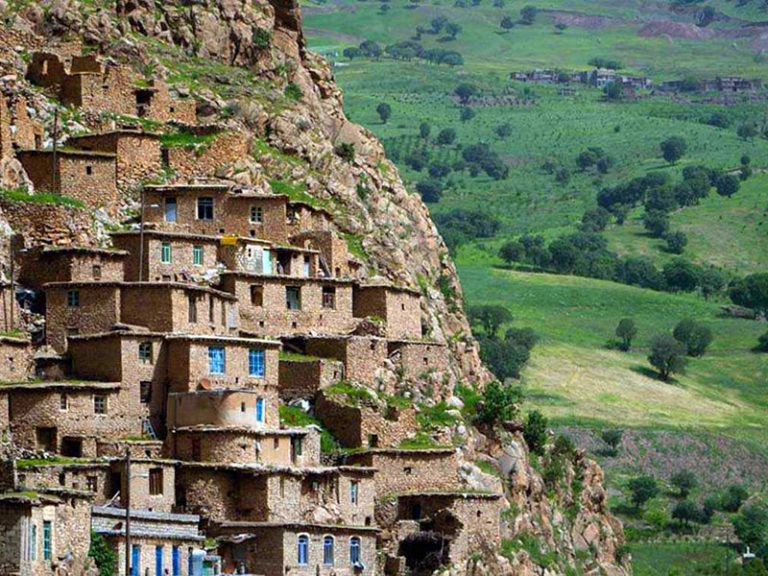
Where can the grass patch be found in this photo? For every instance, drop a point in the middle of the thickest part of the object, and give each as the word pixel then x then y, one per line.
pixel 294 417
pixel 660 559
pixel 294 357
pixel 16 195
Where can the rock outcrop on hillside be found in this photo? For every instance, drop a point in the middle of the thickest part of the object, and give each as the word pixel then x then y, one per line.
pixel 308 139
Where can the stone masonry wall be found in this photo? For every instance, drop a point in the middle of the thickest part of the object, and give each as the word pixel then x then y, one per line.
pixel 49 223
pixel 303 379
pixel 226 150
pixel 403 471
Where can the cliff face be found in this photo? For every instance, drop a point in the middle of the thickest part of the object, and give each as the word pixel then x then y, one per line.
pixel 300 138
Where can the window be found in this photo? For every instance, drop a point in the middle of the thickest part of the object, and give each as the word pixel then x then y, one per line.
pixel 205 208
pixel 328 550
pixel 96 271
pixel 192 310
pixel 303 550
pixel 256 362
pixel 260 405
pixel 33 541
pixel 145 352
pixel 354 550
pixel 99 404
pixel 93 483
pixel 63 402
pixel 197 255
pixel 176 561
pixel 73 298
pixel 293 297
pixel 257 215
pixel 329 297
pixel 89 170
pixel 165 253
pixel 216 360
pixel 170 209
pixel 211 314
pixel 155 481
pixel 158 561
pixel 145 391
pixel 135 560
pixel 296 446
pixel 354 488
pixel 47 540
pixel 257 295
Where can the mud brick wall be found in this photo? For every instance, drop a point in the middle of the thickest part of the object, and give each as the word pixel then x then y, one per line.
pixel 73 476
pixel 206 161
pixel 236 408
pixel 404 471
pixel 303 379
pixel 49 223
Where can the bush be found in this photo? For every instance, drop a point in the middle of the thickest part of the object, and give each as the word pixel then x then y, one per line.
pixel 446 136
pixel 676 242
pixel 103 555
pixel 751 292
pixel 293 91
pixel 672 149
pixel 512 251
pixel 535 432
pixel 762 342
pixel 733 498
pixel 499 404
pixel 667 355
pixel 345 151
pixel 431 190
pixel 695 336
pixel 595 220
pixel 656 222
pixel 684 481
pixel 613 437
pixel 681 275
pixel 727 185
pixel 751 525
pixel 643 488
pixel 626 331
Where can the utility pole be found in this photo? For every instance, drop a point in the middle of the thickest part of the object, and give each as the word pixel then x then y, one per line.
pixel 55 149
pixel 141 238
pixel 127 512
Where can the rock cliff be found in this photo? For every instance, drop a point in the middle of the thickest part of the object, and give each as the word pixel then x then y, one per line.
pixel 247 64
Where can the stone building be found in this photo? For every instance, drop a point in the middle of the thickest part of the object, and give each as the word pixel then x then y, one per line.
pixel 88 177
pixel 155 102
pixel 303 549
pixel 303 377
pixel 362 356
pixel 333 250
pixel 137 153
pixel 41 265
pixel 16 360
pixel 304 217
pixel 398 307
pixel 208 160
pixel 280 305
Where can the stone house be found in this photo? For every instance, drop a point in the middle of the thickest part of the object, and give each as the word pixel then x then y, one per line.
pixel 46 69
pixel 69 417
pixel 16 360
pixel 95 87
pixel 365 424
pixel 221 492
pixel 303 378
pixel 155 102
pixel 279 305
pixel 38 528
pixel 334 254
pixel 82 476
pixel 41 265
pixel 446 527
pixel 137 153
pixel 245 445
pixel 209 160
pixel 423 361
pixel 158 539
pixel 93 307
pixel 401 471
pixel 17 130
pixel 398 307
pixel 304 217
pixel 362 356
pixel 224 408
pixel 299 549
pixel 214 209
pixel 89 177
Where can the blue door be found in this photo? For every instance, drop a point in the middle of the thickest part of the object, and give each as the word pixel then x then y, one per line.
pixel 135 560
pixel 158 561
pixel 176 560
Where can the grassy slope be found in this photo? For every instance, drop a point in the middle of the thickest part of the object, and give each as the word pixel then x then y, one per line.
pixel 678 558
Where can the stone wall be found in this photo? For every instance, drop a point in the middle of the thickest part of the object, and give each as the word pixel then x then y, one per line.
pixel 332 248
pixel 225 150
pixel 16 360
pixel 362 356
pixel 98 310
pixel 399 308
pixel 39 266
pixel 235 408
pixel 304 378
pixel 49 223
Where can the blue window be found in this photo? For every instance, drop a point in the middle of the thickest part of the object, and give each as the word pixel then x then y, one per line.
pixel 328 550
pixel 176 560
pixel 354 550
pixel 256 362
pixel 303 550
pixel 217 361
pixel 135 560
pixel 260 405
pixel 170 209
pixel 47 553
pixel 158 561
pixel 354 487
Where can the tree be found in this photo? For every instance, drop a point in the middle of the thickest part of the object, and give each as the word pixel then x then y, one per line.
pixel 465 91
pixel 384 111
pixel 466 114
pixel 751 292
pixel 643 488
pixel 500 403
pixel 103 555
pixel 424 130
pixel 507 23
pixel 718 120
pixel 667 355
pixel 535 432
pixel 352 52
pixel 762 342
pixel 711 281
pixel 672 149
pixel 438 23
pixel 727 185
pixel 453 29
pixel 685 512
pixel 490 317
pixel 505 357
pixel 504 131
pixel 439 170
pixel 512 251
pixel 589 157
pixel 370 49
pixel 446 137
pixel 747 131
pixel 614 91
pixel 751 525
pixel 431 190
pixel 676 242
pixel 595 220
pixel 681 275
pixel 656 222
pixel 612 437
pixel 528 15
pixel 626 331
pixel 745 160
pixel 684 481
pixel 734 496
pixel 695 336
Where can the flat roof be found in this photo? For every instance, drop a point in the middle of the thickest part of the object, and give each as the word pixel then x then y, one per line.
pixel 232 339
pixel 266 469
pixel 122 284
pixel 114 511
pixel 387 286
pixel 56 250
pixel 187 187
pixel 297 525
pixel 402 451
pixel 63 385
pixel 188 235
pixel 115 132
pixel 304 279
pixel 69 152
pixel 464 494
pixel 118 333
pixel 246 430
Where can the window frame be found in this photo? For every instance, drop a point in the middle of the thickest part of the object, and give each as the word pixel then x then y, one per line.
pixel 166 253
pixel 326 539
pixel 97 399
pixel 261 410
pixel 355 543
pixel 47 540
pixel 257 362
pixel 146 352
pixel 156 479
pixel 73 298
pixel 170 201
pixel 217 354
pixel 302 549
pixel 198 255
pixel 259 213
pixel 204 209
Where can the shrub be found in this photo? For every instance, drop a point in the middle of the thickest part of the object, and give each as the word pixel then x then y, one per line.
pixel 667 355
pixel 751 292
pixel 733 498
pixel 293 91
pixel 612 437
pixel 676 242
pixel 103 555
pixel 446 136
pixel 695 336
pixel 681 275
pixel 345 151
pixel 672 149
pixel 431 190
pixel 626 331
pixel 500 403
pixel 656 222
pixel 512 251
pixel 684 481
pixel 643 488
pixel 535 432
